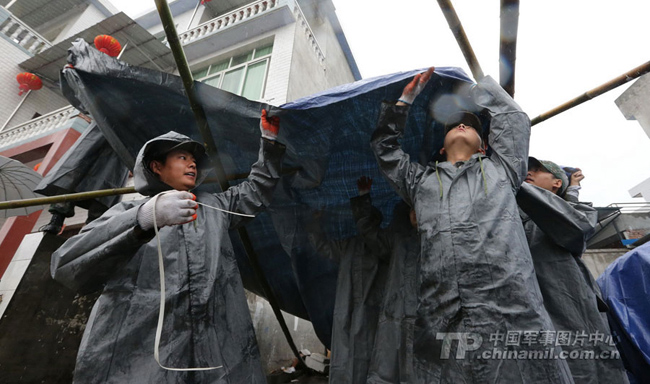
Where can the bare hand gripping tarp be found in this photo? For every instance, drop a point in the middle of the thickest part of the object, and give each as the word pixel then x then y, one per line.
pixel 327 137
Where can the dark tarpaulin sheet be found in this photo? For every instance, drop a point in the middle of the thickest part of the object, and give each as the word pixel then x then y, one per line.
pixel 625 285
pixel 327 137
pixel 90 164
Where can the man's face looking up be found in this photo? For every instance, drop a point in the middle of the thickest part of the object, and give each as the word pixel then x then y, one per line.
pixel 542 178
pixel 463 133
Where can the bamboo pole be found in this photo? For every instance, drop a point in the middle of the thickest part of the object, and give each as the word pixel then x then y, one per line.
pixel 606 87
pixel 188 82
pixel 105 192
pixel 459 33
pixel 508 44
pixel 63 198
pixel 186 75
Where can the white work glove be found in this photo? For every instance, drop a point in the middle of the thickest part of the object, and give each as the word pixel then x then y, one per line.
pixel 413 89
pixel 172 208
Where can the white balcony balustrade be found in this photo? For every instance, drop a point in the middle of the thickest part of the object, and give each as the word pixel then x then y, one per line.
pixel 21 34
pixel 38 127
pixel 229 19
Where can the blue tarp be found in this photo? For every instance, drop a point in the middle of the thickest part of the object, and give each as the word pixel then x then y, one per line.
pixel 625 285
pixel 327 137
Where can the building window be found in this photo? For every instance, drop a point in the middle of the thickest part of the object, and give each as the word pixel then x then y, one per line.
pixel 244 75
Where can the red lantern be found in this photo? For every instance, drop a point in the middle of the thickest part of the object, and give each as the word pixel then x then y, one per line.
pixel 28 82
pixel 108 44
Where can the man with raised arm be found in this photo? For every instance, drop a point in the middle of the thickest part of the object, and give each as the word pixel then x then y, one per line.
pixel 206 321
pixel 478 296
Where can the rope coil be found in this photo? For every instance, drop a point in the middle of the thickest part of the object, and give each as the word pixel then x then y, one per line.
pixel 161 269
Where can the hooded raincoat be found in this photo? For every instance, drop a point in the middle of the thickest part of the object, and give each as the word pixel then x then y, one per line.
pixel 359 293
pixel 392 356
pixel 207 322
pixel 478 295
pixel 557 233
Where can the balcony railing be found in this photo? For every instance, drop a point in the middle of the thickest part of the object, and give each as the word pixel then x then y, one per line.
pixel 22 34
pixel 37 127
pixel 229 19
pixel 247 12
pixel 636 207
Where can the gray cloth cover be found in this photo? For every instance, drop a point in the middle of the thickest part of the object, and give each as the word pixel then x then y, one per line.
pixel 557 232
pixel 359 294
pixel 89 165
pixel 476 275
pixel 207 321
pixel 392 355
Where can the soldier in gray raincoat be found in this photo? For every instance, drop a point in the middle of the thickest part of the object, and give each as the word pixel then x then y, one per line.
pixel 557 233
pixel 207 322
pixel 359 292
pixel 477 287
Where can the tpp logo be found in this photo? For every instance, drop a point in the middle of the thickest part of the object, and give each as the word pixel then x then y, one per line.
pixel 467 342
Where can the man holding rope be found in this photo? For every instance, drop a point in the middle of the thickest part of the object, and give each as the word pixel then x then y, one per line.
pixel 202 331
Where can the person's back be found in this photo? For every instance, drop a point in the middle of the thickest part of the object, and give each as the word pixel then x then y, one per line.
pixel 392 355
pixel 206 320
pixel 359 293
pixel 477 282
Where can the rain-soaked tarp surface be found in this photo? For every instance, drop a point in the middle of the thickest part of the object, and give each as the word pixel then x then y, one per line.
pixel 625 285
pixel 327 137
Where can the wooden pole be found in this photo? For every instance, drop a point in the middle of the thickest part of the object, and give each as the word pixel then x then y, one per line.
pixel 105 192
pixel 201 119
pixel 608 86
pixel 459 33
pixel 63 198
pixel 508 44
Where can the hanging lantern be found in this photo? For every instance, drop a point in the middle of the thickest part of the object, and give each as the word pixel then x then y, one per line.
pixel 108 44
pixel 28 82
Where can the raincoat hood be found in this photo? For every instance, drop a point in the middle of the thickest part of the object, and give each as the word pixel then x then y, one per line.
pixel 146 181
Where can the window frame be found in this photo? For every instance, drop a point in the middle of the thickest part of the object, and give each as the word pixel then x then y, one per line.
pixel 222 73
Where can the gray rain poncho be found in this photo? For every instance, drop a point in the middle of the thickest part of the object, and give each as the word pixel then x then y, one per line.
pixel 207 322
pixel 359 294
pixel 392 356
pixel 557 233
pixel 477 287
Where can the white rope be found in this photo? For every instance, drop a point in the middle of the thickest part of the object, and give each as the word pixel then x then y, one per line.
pixel 223 210
pixel 161 314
